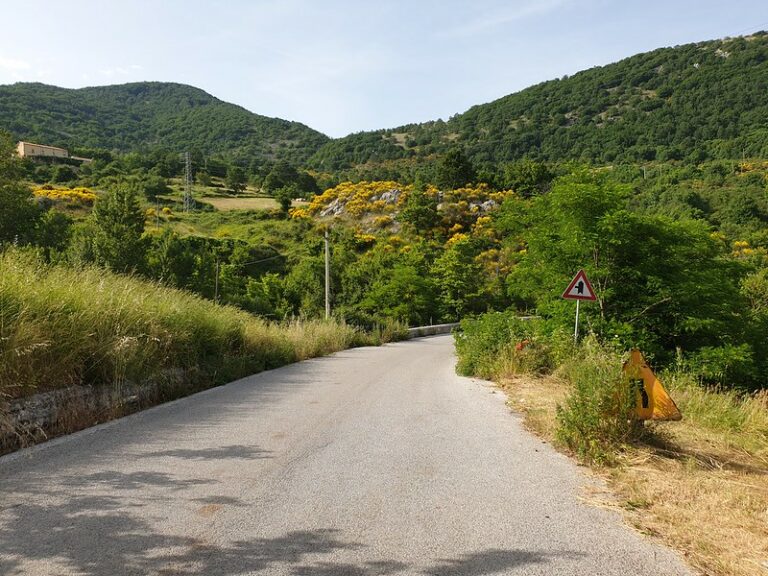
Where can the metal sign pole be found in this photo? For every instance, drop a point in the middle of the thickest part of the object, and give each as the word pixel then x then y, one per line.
pixel 576 328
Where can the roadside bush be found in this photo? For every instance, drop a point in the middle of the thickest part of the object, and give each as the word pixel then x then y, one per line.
pixel 487 344
pixel 596 418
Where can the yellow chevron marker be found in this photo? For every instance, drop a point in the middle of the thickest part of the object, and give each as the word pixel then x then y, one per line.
pixel 653 401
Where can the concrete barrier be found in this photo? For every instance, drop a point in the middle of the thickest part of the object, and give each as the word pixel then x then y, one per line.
pixel 432 330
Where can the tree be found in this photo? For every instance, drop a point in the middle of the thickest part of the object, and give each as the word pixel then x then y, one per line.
pixel 285 196
pixel 154 185
pixel 203 178
pixel 118 225
pixel 62 173
pixel 236 179
pixel 660 283
pixel 18 212
pixel 283 174
pixel 454 170
pixel 53 232
pixel 171 259
pixel 527 177
pixel 458 279
pixel 420 211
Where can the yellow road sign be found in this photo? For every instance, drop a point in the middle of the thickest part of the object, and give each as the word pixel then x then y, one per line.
pixel 653 401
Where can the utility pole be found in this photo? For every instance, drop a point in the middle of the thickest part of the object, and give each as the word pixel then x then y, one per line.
pixel 189 202
pixel 327 278
pixel 216 284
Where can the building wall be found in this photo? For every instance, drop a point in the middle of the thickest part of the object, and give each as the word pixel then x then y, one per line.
pixel 31 150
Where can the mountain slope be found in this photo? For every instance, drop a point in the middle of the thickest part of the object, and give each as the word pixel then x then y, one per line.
pixel 149 115
pixel 697 101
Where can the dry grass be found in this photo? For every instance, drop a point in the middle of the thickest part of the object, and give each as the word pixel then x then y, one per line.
pixel 245 203
pixel 700 485
pixel 240 203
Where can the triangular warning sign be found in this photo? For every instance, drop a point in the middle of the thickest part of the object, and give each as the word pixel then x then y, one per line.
pixel 579 288
pixel 653 402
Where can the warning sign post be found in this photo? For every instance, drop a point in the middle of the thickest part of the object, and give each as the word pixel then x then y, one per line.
pixel 579 289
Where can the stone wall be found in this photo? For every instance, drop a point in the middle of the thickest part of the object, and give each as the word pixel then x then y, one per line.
pixel 33 419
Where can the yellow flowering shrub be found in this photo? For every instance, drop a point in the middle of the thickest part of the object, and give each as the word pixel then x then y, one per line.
pixel 742 249
pixel 357 198
pixel 299 213
pixel 382 221
pixel 84 196
pixel 365 239
pixel 456 238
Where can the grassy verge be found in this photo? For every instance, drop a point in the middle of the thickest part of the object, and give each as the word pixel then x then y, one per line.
pixel 61 327
pixel 699 485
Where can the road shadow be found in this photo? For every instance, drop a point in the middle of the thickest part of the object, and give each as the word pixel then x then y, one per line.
pixel 494 561
pixel 373 568
pixel 90 537
pixel 115 480
pixel 102 531
pixel 491 561
pixel 234 452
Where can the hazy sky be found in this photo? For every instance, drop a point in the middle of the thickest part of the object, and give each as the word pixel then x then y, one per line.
pixel 341 66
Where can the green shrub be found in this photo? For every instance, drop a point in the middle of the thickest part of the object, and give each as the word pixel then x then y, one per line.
pixel 596 419
pixel 481 342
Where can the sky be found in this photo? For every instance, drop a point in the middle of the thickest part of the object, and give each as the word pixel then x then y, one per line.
pixel 343 66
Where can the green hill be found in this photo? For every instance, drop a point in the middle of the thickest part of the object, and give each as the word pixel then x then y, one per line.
pixel 147 115
pixel 697 101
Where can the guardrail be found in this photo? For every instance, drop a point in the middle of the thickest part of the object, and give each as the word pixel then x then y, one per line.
pixel 432 330
pixel 435 329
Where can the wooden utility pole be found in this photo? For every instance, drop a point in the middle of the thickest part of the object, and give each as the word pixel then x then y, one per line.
pixel 216 285
pixel 327 278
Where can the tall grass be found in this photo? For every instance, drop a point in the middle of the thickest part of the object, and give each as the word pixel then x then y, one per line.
pixel 61 326
pixel 731 419
pixel 500 343
pixel 596 419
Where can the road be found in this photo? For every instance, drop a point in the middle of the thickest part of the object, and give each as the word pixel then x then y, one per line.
pixel 371 461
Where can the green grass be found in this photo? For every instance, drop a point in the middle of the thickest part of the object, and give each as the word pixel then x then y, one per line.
pixel 61 326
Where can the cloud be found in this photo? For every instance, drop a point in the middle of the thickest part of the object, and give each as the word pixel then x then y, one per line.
pixel 505 15
pixel 14 64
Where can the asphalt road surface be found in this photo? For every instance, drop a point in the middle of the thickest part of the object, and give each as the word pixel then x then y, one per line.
pixel 371 461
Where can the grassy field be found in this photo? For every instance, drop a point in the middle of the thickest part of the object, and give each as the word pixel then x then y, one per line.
pixel 240 203
pixel 244 203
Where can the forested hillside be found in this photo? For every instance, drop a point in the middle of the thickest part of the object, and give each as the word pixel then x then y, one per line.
pixel 694 102
pixel 150 115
